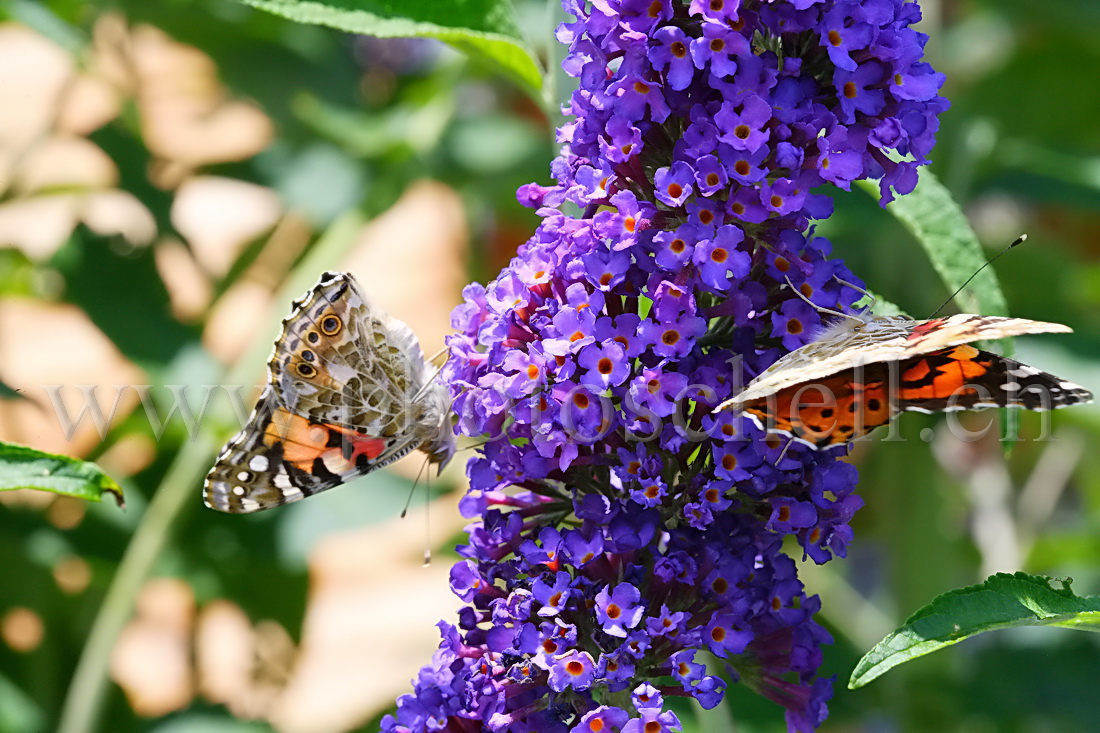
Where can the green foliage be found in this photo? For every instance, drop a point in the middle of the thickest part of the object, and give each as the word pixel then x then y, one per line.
pixel 486 29
pixel 22 467
pixel 1003 601
pixel 937 223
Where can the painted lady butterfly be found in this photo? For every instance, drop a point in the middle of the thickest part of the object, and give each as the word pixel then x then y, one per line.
pixel 862 371
pixel 348 392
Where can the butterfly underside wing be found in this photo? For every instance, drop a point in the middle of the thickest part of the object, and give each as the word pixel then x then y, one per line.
pixel 349 391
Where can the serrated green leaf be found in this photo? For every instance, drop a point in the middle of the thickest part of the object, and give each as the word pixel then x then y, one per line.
pixel 1002 601
pixel 487 29
pixel 941 228
pixel 22 467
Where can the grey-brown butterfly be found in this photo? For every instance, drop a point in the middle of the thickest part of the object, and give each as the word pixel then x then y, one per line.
pixel 349 391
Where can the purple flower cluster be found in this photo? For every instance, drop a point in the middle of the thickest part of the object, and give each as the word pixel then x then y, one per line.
pixel 627 542
pixel 748 104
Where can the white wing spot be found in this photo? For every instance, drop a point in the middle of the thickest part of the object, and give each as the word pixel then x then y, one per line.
pixel 1023 371
pixel 244 476
pixel 281 481
pixel 1010 386
pixel 238 490
pixel 258 463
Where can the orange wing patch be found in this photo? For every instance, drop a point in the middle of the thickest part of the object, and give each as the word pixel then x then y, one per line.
pixel 340 449
pixel 831 411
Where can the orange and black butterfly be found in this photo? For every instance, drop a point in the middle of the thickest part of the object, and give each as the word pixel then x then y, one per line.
pixel 861 372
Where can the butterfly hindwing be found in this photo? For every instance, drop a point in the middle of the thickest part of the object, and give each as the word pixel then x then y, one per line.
pixel 831 411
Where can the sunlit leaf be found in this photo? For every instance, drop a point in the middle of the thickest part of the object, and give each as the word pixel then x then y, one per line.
pixel 481 28
pixel 941 228
pixel 1002 601
pixel 26 468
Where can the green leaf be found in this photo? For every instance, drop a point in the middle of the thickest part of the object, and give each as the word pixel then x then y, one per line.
pixel 9 393
pixel 941 228
pixel 487 29
pixel 1002 601
pixel 26 468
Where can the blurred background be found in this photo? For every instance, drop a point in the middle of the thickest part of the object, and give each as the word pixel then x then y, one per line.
pixel 173 173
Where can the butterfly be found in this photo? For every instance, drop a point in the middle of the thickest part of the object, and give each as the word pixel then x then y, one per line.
pixel 864 370
pixel 348 391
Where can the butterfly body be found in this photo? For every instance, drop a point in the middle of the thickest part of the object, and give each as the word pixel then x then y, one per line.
pixel 861 372
pixel 349 391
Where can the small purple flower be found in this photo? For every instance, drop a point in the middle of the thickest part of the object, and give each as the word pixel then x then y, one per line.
pixel 605 365
pixel 656 391
pixel 718 49
pixel 744 130
pixel 653 720
pixel 575 328
pixel 673 339
pixel 836 162
pixel 622 329
pixel 622 141
pixel 650 492
pixel 619 609
pixel 646 695
pixel 685 669
pixel 553 596
pixel 794 324
pixel 858 91
pixel 709 692
pixel 673 249
pixel 672 186
pixel 710 175
pixel 725 637
pixel 667 623
pixel 735 461
pixel 840 36
pixel 638 97
pixel 604 719
pixel 573 669
pixel 718 259
pixel 789 515
pixel 671 55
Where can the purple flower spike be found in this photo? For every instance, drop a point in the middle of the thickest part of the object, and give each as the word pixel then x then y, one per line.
pixel 621 523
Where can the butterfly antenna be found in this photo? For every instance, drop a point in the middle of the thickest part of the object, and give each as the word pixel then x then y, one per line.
pixel 866 293
pixel 1019 240
pixel 820 308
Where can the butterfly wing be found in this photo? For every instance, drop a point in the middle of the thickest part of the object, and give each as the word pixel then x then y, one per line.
pixel 348 393
pixel 882 339
pixel 842 407
pixel 280 457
